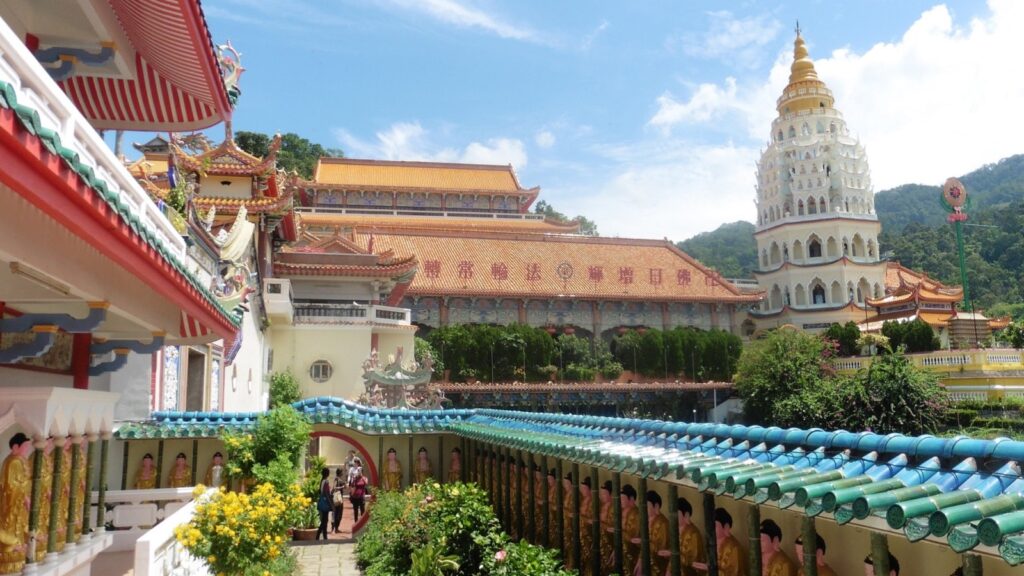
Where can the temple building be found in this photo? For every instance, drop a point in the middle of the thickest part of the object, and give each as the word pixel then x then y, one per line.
pixel 484 258
pixel 817 231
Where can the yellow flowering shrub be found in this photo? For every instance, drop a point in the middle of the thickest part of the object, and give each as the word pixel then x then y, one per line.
pixel 243 534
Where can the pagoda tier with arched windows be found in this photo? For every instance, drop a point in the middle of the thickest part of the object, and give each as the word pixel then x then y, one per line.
pixel 817 231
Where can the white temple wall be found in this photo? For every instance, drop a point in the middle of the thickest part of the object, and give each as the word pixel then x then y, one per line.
pixel 344 347
pixel 245 385
pixel 17 377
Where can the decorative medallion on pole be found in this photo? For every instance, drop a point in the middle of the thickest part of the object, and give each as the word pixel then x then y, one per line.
pixel 956 202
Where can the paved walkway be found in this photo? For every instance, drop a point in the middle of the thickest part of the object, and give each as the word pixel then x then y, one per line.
pixel 328 559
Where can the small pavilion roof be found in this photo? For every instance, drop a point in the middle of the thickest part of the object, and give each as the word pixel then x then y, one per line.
pixel 920 485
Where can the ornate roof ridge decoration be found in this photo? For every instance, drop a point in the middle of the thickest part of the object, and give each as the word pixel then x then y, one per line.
pixel 791 264
pixel 872 218
pixel 227 159
pixel 414 163
pixel 266 204
pixel 29 119
pixel 400 383
pixel 312 243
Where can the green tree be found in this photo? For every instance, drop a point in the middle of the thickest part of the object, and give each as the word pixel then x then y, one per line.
pixel 284 389
pixel 845 336
pixel 730 249
pixel 1014 334
pixel 587 226
pixel 780 373
pixel 281 431
pixel 296 153
pixel 893 395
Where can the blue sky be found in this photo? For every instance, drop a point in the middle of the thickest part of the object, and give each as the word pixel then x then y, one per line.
pixel 644 116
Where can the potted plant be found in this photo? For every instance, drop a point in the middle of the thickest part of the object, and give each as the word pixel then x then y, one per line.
pixel 309 519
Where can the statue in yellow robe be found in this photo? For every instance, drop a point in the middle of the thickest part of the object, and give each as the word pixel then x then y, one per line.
pixel 45 498
pixel 568 514
pixel 553 510
pixel 780 565
pixel 630 529
pixel 181 474
pixel 691 542
pixel 15 496
pixel 774 561
pixel 391 477
pixel 214 477
pixel 455 466
pixel 731 561
pixel 586 527
pixel 606 522
pixel 691 548
pixel 145 477
pixel 423 470
pixel 657 531
pixel 538 502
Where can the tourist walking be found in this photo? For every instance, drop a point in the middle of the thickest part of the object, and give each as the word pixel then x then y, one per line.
pixel 323 503
pixel 338 497
pixel 358 495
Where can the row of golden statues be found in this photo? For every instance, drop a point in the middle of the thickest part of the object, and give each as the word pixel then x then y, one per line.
pixel 16 500
pixel 732 558
pixel 180 475
pixel 422 470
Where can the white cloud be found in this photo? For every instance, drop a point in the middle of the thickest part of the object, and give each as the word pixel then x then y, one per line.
pixel 544 139
pixel 462 15
pixel 668 188
pixel 411 141
pixel 588 40
pixel 738 40
pixel 707 102
pixel 940 101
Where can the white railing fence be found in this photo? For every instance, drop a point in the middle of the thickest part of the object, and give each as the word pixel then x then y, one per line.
pixel 131 513
pixel 158 553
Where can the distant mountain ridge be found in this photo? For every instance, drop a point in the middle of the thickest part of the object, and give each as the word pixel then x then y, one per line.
pixel 915 232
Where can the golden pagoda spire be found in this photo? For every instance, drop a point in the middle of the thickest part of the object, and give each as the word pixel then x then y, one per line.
pixel 805 89
pixel 802 68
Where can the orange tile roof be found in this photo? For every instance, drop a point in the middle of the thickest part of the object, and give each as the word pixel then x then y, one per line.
pixel 417 175
pixel 384 222
pixel 904 285
pixel 529 265
pixel 149 165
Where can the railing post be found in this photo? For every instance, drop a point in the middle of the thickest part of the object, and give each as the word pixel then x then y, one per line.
pixel 709 534
pixel 645 530
pixel 101 510
pixel 618 568
pixel 560 502
pixel 39 444
pixel 809 535
pixel 545 495
pixel 520 520
pixel 531 513
pixel 972 565
pixel 576 549
pixel 754 540
pixel 595 528
pixel 507 490
pixel 76 457
pixel 880 554
pixel 56 490
pixel 90 461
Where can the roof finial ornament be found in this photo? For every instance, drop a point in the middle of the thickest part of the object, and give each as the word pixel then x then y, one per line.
pixel 798 27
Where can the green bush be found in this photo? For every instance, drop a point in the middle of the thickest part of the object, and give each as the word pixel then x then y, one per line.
pixel 579 373
pixel 284 389
pixel 433 529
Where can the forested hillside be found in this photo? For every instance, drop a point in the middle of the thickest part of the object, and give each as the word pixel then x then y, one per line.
pixel 730 249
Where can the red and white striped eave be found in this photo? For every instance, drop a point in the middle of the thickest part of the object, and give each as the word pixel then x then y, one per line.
pixel 192 329
pixel 177 84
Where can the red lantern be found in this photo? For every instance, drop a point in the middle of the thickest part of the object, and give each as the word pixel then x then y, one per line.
pixel 551 330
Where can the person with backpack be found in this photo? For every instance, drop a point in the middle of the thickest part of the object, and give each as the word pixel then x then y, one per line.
pixel 338 498
pixel 323 503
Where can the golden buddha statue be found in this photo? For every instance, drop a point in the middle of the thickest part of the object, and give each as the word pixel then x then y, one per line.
pixel 569 512
pixel 181 475
pixel 145 476
pixel 586 527
pixel 391 476
pixel 15 497
pixel 423 470
pixel 691 542
pixel 630 529
pixel 455 466
pixel 657 530
pixel 606 522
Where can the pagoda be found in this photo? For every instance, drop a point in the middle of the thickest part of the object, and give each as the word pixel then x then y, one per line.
pixel 817 231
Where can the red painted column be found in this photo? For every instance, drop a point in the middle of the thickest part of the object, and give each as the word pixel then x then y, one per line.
pixel 374 341
pixel 80 357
